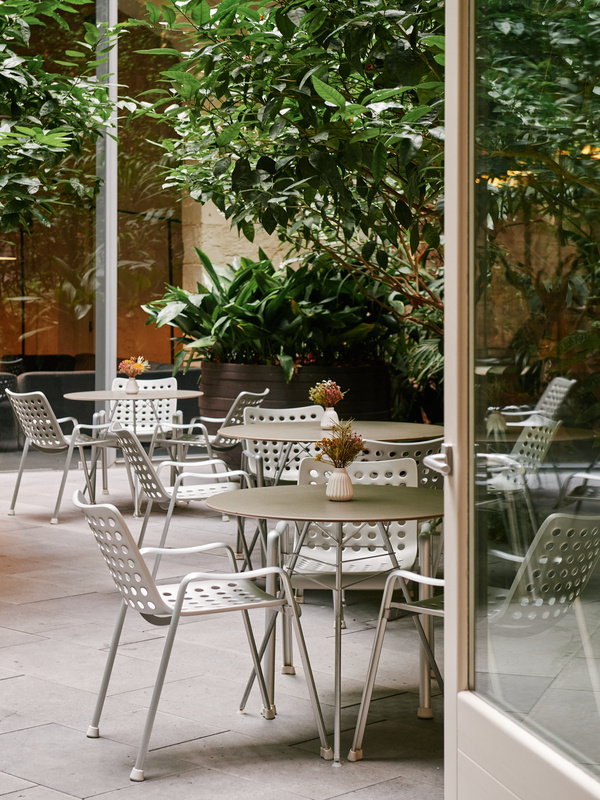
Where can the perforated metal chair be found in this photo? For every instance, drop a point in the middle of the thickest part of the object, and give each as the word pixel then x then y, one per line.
pixel 195 434
pixel 205 485
pixel 43 431
pixel 143 417
pixel 196 594
pixel 550 580
pixel 510 475
pixel 384 451
pixel 547 406
pixel 274 462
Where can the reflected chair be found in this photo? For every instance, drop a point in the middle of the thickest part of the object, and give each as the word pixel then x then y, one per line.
pixel 205 485
pixel 547 406
pixel 509 476
pixel 550 580
pixel 273 462
pixel 196 594
pixel 195 434
pixel 43 431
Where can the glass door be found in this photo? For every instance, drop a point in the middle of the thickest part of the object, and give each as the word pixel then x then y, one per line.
pixel 524 580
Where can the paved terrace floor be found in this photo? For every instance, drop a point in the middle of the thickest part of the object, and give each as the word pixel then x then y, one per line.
pixel 57 608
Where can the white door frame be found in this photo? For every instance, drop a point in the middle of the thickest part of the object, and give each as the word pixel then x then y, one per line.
pixel 487 755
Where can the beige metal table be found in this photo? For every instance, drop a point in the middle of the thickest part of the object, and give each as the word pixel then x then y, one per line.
pixel 308 503
pixel 120 395
pixel 291 433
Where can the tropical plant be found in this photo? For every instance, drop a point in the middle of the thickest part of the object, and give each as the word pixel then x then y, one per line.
pixel 49 113
pixel 253 313
pixel 320 120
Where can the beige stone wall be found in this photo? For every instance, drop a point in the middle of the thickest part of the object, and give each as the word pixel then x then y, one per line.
pixel 204 226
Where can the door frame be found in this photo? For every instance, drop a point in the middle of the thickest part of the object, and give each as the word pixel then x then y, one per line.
pixel 476 732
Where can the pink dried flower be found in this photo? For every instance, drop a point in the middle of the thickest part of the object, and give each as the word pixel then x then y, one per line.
pixel 326 394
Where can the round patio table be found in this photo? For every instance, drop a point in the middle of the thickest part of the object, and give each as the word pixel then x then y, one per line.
pixel 308 503
pixel 311 431
pixel 306 432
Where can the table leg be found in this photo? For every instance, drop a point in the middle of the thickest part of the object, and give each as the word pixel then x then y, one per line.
pixel 337 720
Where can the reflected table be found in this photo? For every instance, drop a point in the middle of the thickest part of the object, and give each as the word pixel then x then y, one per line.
pixel 308 503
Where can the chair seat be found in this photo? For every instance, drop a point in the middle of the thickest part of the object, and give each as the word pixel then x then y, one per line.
pixel 201 491
pixel 210 596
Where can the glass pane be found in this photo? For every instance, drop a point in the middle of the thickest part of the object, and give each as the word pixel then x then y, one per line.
pixel 536 367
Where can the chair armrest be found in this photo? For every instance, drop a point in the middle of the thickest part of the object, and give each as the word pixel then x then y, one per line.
pixel 206 463
pixel 506 556
pixel 415 576
pixel 499 460
pixel 203 418
pixel 200 548
pixel 253 464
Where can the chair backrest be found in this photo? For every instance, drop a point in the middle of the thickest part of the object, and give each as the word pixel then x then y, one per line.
pixel 235 416
pixel 147 414
pixel 378 451
pixel 123 558
pixel 270 452
pixel 533 443
pixel 360 536
pixel 138 460
pixel 553 397
pixel 38 420
pixel 554 572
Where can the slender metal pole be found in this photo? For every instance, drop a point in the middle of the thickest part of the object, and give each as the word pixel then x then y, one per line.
pixel 106 215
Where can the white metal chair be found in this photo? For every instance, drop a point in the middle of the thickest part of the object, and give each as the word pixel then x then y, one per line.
pixel 273 462
pixel 196 594
pixel 510 475
pixel 549 582
pixel 547 406
pixel 43 431
pixel 205 485
pixel 309 556
pixel 195 434
pixel 384 451
pixel 143 417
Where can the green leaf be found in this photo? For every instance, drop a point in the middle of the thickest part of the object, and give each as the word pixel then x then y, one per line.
pixel 379 163
pixel 328 93
pixel 287 364
pixel 201 13
pixel 154 13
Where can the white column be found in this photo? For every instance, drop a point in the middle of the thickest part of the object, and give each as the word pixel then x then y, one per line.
pixel 106 216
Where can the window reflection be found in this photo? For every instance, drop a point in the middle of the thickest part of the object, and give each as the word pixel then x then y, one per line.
pixel 537 381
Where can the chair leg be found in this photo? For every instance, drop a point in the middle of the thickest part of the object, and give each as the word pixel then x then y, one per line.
pixel 137 773
pixel 11 510
pixel 54 520
pixel 268 710
pixel 288 647
pixel 326 750
pixel 356 752
pixel 93 731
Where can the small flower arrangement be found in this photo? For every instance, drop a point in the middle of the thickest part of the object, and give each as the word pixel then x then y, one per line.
pixel 343 446
pixel 133 367
pixel 326 394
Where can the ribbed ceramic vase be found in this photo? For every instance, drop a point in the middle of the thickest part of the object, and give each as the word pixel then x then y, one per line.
pixel 132 387
pixel 329 418
pixel 339 486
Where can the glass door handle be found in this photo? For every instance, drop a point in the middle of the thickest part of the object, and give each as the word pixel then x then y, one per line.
pixel 440 462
